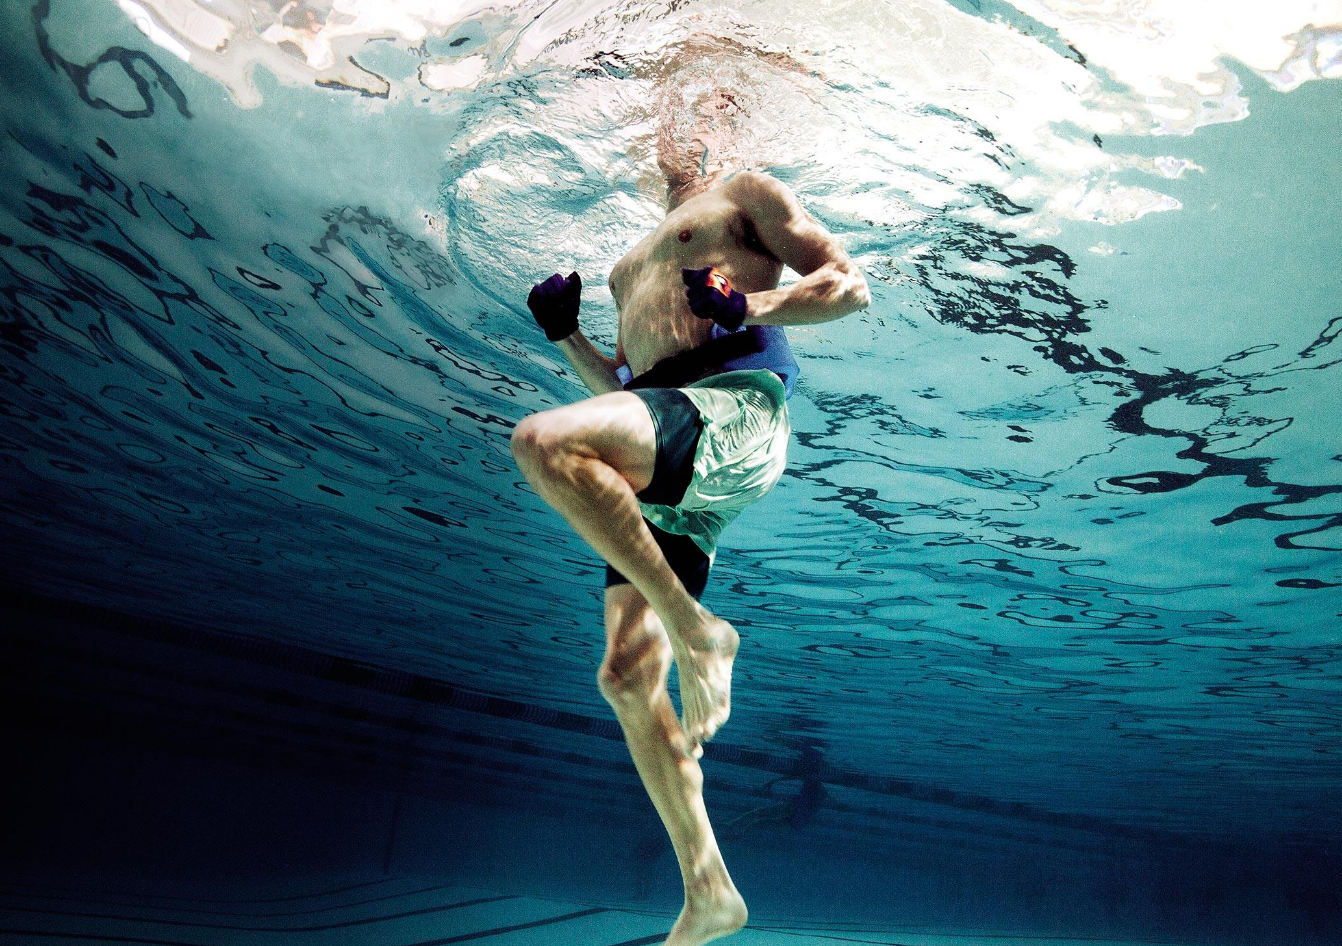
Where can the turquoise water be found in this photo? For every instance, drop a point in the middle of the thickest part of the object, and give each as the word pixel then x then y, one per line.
pixel 1059 543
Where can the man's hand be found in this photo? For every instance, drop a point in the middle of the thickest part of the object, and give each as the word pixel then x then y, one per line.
pixel 711 296
pixel 554 305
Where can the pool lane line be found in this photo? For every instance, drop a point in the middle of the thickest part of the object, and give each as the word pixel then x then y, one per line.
pixel 100 937
pixel 305 896
pixel 364 921
pixel 960 939
pixel 459 938
pixel 500 930
pixel 233 913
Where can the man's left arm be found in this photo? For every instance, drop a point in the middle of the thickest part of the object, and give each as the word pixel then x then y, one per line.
pixel 831 286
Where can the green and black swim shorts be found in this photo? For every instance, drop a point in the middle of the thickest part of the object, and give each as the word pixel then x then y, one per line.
pixel 721 445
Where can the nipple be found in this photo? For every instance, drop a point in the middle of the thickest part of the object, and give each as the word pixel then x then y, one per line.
pixel 685 236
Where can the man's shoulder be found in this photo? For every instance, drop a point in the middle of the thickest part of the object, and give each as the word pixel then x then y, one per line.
pixel 756 189
pixel 752 181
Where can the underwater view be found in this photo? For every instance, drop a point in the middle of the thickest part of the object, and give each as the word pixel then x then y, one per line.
pixel 1040 628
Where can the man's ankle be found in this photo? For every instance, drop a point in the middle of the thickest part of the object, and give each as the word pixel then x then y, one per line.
pixel 686 629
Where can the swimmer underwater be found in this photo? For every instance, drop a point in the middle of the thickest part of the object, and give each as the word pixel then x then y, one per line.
pixel 688 425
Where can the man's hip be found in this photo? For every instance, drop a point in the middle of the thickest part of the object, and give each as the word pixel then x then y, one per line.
pixel 738 454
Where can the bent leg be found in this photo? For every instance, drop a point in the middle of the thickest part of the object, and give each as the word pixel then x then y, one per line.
pixel 588 460
pixel 633 680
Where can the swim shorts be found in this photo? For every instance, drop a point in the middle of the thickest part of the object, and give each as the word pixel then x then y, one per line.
pixel 721 445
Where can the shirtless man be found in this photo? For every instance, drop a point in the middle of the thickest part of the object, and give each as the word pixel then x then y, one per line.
pixel 650 475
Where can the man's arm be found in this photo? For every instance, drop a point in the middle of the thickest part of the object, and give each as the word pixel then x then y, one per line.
pixel 554 304
pixel 596 369
pixel 831 285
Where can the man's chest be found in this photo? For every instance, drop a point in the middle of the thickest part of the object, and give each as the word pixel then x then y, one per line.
pixel 701 232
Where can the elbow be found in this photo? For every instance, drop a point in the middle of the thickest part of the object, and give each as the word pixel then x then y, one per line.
pixel 842 291
pixel 857 295
pixel 862 294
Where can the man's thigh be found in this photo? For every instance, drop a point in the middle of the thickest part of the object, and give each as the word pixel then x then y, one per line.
pixel 614 427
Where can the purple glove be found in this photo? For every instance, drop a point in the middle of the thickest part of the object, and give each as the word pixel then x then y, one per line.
pixel 711 296
pixel 554 305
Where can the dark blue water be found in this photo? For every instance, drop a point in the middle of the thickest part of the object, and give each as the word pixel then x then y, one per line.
pixel 1057 552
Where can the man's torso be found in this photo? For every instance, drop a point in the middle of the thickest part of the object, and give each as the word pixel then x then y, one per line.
pixel 710 229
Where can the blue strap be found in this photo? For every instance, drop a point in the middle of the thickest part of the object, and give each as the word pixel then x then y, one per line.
pixel 775 354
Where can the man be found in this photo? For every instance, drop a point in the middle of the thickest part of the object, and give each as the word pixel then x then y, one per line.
pixel 650 475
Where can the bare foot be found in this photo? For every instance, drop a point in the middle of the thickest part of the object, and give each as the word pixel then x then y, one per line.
pixel 704 658
pixel 708 918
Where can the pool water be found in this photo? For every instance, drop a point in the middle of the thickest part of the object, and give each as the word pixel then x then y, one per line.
pixel 1056 563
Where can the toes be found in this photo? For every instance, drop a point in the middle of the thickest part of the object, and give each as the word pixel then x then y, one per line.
pixel 710 729
pixel 718 710
pixel 705 730
pixel 704 716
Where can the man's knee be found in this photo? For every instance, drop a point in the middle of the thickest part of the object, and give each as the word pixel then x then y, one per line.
pixel 635 666
pixel 534 442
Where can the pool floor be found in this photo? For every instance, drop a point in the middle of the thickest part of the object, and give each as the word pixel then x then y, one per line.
pixel 407 912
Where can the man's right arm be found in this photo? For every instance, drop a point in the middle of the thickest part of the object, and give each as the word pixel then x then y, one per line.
pixel 596 369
